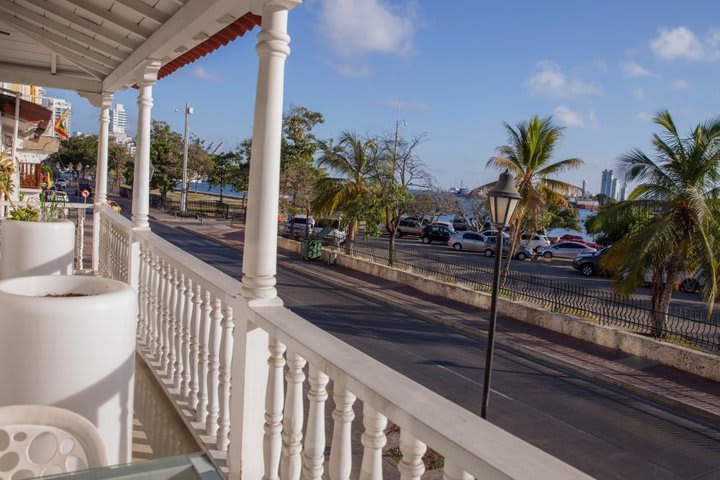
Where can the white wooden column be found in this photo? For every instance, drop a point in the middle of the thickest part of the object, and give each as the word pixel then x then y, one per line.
pixel 141 175
pixel 260 250
pixel 249 370
pixel 101 174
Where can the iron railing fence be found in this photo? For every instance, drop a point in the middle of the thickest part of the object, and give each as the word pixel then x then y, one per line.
pixel 683 324
pixel 205 208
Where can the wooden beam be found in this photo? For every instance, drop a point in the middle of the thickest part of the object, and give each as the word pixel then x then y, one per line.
pixel 98 59
pixel 145 10
pixel 87 24
pixel 94 69
pixel 41 76
pixel 111 17
pixel 48 23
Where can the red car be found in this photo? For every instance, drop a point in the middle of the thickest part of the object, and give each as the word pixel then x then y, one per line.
pixel 572 237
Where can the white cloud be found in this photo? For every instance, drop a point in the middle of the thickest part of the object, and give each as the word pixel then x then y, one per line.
pixel 353 71
pixel 679 84
pixel 354 27
pixel 569 118
pixel 202 74
pixel 550 80
pixel 639 93
pixel 644 116
pixel 634 69
pixel 678 43
pixel 398 105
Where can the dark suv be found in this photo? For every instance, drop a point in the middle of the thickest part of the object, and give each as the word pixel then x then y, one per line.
pixel 589 264
pixel 435 233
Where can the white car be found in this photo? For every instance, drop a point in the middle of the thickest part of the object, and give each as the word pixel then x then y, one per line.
pixel 57 196
pixel 296 226
pixel 534 242
pixel 565 250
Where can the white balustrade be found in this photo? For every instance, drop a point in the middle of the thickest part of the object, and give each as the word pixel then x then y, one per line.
pixel 189 318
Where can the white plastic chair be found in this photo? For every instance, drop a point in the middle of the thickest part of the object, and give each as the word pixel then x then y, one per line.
pixel 36 440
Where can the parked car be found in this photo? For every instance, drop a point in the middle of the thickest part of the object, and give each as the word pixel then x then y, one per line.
pixel 296 225
pixel 56 196
pixel 409 226
pixel 114 205
pixel 470 241
pixel 448 225
pixel 459 224
pixel 573 237
pixel 61 183
pixel 565 250
pixel 493 233
pixel 435 233
pixel 535 241
pixel 522 253
pixel 588 263
pixel 335 235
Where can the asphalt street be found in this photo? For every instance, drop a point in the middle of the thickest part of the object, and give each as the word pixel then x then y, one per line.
pixel 601 430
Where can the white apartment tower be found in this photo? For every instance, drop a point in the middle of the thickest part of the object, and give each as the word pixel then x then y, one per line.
pixel 118 120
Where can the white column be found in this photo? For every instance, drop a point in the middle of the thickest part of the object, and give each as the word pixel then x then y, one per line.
pixel 101 174
pixel 249 371
pixel 260 250
pixel 141 176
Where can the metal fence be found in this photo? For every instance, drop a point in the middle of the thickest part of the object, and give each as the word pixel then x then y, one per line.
pixel 684 325
pixel 203 208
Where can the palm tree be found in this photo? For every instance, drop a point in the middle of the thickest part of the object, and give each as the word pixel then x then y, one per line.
pixel 351 160
pixel 680 189
pixel 528 157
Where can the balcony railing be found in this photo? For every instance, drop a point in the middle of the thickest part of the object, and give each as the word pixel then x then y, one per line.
pixel 30 175
pixel 198 335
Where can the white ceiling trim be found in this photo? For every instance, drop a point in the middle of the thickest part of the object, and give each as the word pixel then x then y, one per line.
pixel 40 76
pixel 113 18
pixel 145 10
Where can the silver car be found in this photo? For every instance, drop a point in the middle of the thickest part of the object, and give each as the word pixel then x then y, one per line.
pixel 564 250
pixel 471 241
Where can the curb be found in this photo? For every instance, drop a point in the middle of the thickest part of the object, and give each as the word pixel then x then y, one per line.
pixel 504 343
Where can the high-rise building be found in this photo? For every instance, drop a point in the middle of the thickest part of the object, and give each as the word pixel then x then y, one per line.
pixel 584 188
pixel 623 192
pixel 614 188
pixel 118 120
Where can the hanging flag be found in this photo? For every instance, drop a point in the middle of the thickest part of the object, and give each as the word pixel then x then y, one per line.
pixel 61 125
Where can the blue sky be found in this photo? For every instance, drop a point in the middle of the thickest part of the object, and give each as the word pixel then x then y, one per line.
pixel 601 68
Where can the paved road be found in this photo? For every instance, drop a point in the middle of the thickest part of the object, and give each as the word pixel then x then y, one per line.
pixel 603 431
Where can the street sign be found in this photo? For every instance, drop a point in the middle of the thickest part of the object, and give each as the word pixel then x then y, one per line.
pixel 85 193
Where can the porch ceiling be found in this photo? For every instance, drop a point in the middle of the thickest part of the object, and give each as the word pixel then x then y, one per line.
pixel 93 46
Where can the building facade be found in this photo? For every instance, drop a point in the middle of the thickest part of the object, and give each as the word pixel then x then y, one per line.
pixel 118 120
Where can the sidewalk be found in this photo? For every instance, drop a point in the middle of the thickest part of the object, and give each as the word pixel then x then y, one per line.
pixel 676 389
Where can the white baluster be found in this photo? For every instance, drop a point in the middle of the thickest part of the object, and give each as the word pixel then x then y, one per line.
pixel 201 410
pixel 211 422
pixel 411 465
pixel 179 331
pixel 81 237
pixel 195 346
pixel 187 334
pixel 314 452
pixel 172 324
pixel 226 352
pixel 340 451
pixel 155 292
pixel 290 462
pixel 165 316
pixel 373 440
pixel 452 471
pixel 140 333
pixel 272 442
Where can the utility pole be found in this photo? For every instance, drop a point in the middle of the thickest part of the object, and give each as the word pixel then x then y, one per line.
pixel 183 187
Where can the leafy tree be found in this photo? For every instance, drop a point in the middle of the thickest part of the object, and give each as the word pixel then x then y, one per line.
pixel 560 217
pixel 396 168
pixel 679 191
pixel 228 169
pixel 76 150
pixel 199 160
pixel 353 193
pixel 610 233
pixel 433 204
pixel 527 156
pixel 165 156
pixel 118 160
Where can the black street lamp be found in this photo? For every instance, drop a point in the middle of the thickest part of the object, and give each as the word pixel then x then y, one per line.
pixel 503 200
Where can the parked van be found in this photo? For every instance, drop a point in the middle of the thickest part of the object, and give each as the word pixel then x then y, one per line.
pixel 297 226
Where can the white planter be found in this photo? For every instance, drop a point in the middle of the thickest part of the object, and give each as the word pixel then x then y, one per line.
pixel 76 353
pixel 36 248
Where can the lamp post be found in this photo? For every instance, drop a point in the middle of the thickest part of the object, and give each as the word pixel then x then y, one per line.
pixel 503 200
pixel 183 187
